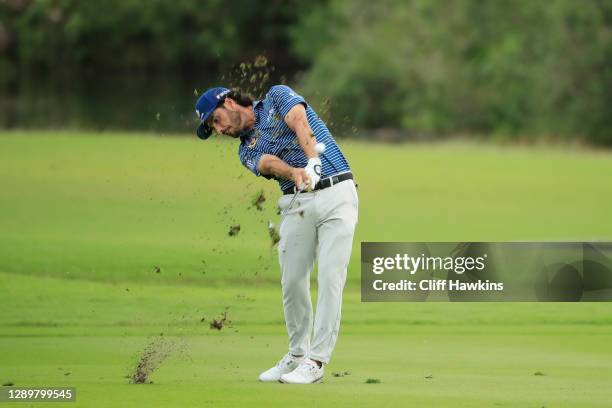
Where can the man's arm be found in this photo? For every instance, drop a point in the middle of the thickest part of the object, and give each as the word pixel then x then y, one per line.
pixel 272 165
pixel 298 122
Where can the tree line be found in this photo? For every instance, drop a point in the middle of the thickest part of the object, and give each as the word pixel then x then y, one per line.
pixel 425 68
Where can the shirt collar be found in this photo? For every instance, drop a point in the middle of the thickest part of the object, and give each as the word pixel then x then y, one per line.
pixel 257 111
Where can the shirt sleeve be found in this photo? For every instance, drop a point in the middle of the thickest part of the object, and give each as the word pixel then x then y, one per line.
pixel 284 98
pixel 250 158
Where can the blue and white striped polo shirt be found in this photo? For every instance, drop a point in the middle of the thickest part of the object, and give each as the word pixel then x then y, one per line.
pixel 271 135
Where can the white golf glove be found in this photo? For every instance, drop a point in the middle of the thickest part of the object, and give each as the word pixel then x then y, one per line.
pixel 313 169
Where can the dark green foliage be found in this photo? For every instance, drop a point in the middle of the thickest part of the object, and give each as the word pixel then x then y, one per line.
pixel 517 67
pixel 512 68
pixel 145 34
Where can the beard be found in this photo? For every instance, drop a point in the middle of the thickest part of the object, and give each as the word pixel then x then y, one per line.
pixel 236 129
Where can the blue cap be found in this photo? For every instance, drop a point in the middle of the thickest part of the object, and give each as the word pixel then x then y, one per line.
pixel 206 104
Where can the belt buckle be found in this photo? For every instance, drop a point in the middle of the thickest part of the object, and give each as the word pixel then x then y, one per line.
pixel 328 180
pixel 334 180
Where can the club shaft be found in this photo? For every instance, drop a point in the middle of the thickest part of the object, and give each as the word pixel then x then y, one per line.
pixel 292 201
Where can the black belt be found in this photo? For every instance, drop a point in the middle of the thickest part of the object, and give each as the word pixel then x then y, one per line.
pixel 324 183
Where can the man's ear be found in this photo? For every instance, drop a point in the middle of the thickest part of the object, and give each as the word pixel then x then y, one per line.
pixel 229 103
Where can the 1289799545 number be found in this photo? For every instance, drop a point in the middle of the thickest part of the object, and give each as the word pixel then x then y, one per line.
pixel 37 394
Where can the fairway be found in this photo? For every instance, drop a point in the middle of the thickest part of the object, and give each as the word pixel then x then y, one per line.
pixel 108 241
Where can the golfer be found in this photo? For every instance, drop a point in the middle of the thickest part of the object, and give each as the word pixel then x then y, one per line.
pixel 277 138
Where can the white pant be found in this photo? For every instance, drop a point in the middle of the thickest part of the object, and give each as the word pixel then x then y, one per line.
pixel 319 223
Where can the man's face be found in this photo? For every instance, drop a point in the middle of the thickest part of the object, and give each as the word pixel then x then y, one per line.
pixel 225 120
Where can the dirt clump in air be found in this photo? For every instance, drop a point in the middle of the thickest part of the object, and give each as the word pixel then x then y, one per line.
pixel 154 354
pixel 258 200
pixel 234 230
pixel 221 322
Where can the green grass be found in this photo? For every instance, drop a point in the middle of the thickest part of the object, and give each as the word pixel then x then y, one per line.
pixel 84 220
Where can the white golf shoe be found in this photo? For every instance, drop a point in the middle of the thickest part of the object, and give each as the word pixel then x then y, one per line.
pixel 307 372
pixel 286 365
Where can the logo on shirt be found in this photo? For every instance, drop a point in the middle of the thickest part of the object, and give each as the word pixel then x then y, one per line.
pixel 253 142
